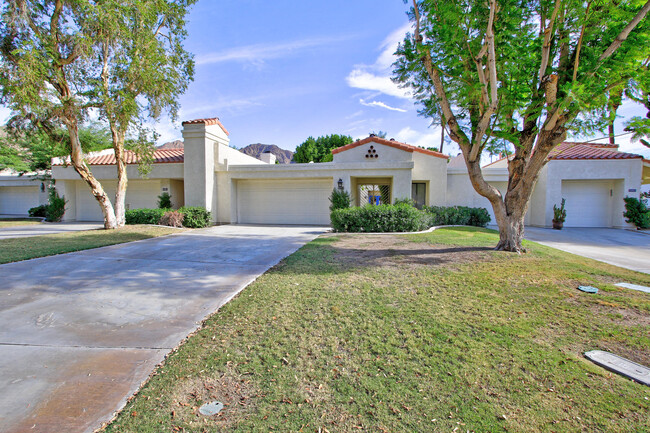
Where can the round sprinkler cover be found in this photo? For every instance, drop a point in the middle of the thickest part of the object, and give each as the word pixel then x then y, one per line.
pixel 212 408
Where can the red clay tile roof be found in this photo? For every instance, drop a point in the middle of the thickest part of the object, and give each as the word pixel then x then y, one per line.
pixel 569 150
pixel 210 121
pixel 391 143
pixel 159 157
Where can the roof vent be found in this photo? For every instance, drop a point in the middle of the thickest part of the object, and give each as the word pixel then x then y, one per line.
pixel 392 139
pixel 373 134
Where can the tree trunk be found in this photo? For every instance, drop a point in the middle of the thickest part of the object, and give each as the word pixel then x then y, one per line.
pixel 76 158
pixel 511 231
pixel 122 180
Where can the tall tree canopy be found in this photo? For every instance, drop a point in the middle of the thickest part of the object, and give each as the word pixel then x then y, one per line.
pixel 521 71
pixel 62 58
pixel 320 149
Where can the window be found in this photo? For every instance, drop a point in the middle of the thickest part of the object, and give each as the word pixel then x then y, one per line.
pixel 419 194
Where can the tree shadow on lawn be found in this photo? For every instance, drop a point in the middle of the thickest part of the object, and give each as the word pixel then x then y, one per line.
pixel 339 254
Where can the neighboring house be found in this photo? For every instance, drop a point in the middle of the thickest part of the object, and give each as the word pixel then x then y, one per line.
pixel 20 192
pixel 238 188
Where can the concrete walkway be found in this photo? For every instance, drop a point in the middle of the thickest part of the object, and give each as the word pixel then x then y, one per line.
pixel 624 248
pixel 80 332
pixel 46 229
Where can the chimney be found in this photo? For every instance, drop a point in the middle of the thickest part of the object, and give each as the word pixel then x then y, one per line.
pixel 268 157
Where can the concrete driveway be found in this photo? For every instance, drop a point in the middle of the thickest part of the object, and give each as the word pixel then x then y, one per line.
pixel 623 248
pixel 46 229
pixel 80 332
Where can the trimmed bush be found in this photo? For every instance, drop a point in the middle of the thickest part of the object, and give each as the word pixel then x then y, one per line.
pixel 144 216
pixel 637 213
pixel 458 215
pixel 164 201
pixel 172 218
pixel 382 218
pixel 56 206
pixel 339 199
pixel 195 217
pixel 38 211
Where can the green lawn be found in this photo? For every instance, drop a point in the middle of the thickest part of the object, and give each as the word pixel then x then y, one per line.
pixel 16 249
pixel 17 222
pixel 417 333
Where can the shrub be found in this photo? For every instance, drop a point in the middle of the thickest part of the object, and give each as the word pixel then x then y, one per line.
pixel 382 218
pixel 144 216
pixel 637 213
pixel 38 211
pixel 405 201
pixel 195 216
pixel 458 215
pixel 164 201
pixel 172 218
pixel 55 207
pixel 559 213
pixel 339 199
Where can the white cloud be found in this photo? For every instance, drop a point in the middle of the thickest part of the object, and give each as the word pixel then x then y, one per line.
pixel 431 138
pixel 257 53
pixel 376 77
pixel 380 104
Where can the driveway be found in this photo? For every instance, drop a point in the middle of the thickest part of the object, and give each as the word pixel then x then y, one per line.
pixel 623 248
pixel 80 332
pixel 46 229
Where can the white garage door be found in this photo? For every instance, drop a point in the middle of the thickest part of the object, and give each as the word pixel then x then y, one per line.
pixel 139 194
pixel 588 203
pixel 16 200
pixel 297 201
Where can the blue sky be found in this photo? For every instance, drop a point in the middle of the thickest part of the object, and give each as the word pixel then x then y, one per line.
pixel 276 72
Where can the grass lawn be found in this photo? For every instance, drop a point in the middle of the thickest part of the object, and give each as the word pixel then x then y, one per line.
pixel 16 249
pixel 411 333
pixel 16 222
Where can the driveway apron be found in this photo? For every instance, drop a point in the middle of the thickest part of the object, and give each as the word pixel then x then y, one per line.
pixel 80 332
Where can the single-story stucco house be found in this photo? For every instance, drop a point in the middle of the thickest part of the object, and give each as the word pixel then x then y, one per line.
pixel 237 188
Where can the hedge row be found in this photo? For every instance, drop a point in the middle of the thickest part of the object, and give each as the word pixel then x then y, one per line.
pixel 403 217
pixel 193 216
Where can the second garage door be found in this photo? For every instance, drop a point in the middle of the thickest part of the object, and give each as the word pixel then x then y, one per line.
pixel 296 201
pixel 588 203
pixel 17 200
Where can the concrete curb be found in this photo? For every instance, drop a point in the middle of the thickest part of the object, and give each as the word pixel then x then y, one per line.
pixel 398 233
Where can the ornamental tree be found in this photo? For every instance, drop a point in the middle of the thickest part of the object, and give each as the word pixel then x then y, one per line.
pixel 525 72
pixel 320 149
pixel 60 59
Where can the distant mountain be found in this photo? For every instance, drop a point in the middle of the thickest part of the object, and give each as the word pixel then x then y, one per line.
pixel 176 144
pixel 257 149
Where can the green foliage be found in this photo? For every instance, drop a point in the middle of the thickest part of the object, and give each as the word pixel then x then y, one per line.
pixel 637 213
pixel 320 149
pixel 559 213
pixel 339 199
pixel 404 202
pixel 144 216
pixel 164 201
pixel 195 217
pixel 383 218
pixel 172 219
pixel 38 211
pixel 55 207
pixel 458 215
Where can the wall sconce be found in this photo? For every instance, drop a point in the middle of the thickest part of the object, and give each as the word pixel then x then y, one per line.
pixel 340 183
pixel 42 187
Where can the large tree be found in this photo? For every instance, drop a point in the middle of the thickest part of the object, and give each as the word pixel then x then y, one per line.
pixel 320 149
pixel 60 59
pixel 522 71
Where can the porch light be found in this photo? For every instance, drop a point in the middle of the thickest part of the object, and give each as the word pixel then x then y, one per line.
pixel 340 183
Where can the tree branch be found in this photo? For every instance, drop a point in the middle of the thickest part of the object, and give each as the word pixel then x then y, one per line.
pixel 579 46
pixel 626 31
pixel 546 46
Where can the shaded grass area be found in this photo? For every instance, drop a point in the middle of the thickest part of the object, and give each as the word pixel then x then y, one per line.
pixel 416 333
pixel 17 222
pixel 16 249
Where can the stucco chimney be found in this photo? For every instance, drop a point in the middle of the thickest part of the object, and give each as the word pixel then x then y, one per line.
pixel 268 157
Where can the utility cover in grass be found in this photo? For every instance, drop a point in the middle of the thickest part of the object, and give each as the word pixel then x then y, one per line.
pixel 588 289
pixel 622 366
pixel 212 408
pixel 634 287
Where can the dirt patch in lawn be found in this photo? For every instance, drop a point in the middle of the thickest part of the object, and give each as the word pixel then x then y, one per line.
pixel 234 390
pixel 396 251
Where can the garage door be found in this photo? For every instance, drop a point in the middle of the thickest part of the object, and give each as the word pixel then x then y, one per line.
pixel 588 203
pixel 297 201
pixel 139 194
pixel 16 200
